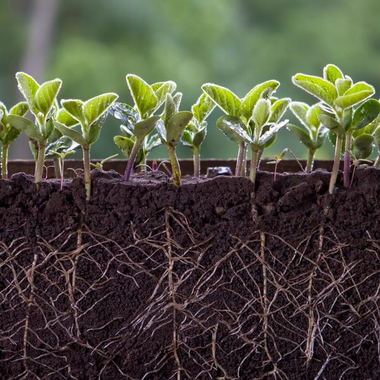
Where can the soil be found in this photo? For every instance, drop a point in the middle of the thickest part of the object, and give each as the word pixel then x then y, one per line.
pixel 217 279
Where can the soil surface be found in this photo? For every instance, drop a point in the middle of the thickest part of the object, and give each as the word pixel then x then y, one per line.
pixel 217 279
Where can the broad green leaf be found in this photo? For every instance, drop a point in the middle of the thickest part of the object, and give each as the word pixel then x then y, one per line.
pixel 153 142
pixel 366 113
pixel 65 118
pixel 46 95
pixel 332 73
pixel 261 112
pixel 250 100
pixel 19 109
pixel 72 133
pixel 25 125
pixel 300 110
pixel 96 107
pixel 75 108
pixel 224 98
pixel 176 125
pixel 278 109
pixel 312 116
pixel 28 88
pixel 199 137
pixel 269 136
pixel 177 99
pixel 95 129
pixel 161 130
pixel 363 146
pixel 320 88
pixel 331 123
pixel 203 107
pixel 187 138
pixel 356 94
pixel 233 128
pixel 343 85
pixel 125 144
pixel 161 89
pixel 11 135
pixel 302 135
pixel 145 127
pixel 143 95
pixel 347 118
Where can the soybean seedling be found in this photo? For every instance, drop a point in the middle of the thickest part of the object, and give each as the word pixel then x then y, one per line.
pixel 41 100
pixel 242 126
pixel 339 95
pixel 138 120
pixel 99 165
pixel 312 134
pixel 279 158
pixel 91 116
pixel 196 130
pixel 171 129
pixel 8 133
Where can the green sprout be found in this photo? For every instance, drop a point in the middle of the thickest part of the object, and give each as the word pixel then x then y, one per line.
pixel 253 120
pixel 196 130
pixel 99 165
pixel 139 121
pixel 8 133
pixel 171 129
pixel 41 100
pixel 91 116
pixel 313 133
pixel 339 95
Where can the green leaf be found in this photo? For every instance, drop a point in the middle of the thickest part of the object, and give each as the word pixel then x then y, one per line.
pixel 261 112
pixel 320 88
pixel 170 107
pixel 199 137
pixel 177 98
pixel 1 114
pixel 250 100
pixel 187 138
pixel 153 142
pixel 46 95
pixel 203 107
pixel 356 94
pixel 321 137
pixel 95 129
pixel 28 88
pixel 161 89
pixel 312 116
pixel 332 73
pixel 331 123
pixel 224 98
pixel 343 85
pixel 125 144
pixel 11 135
pixel 75 108
pixel 161 130
pixel 300 110
pixel 143 95
pixel 278 109
pixel 176 126
pixel 19 109
pixel 269 136
pixel 233 128
pixel 72 133
pixel 49 129
pixel 25 125
pixel 65 118
pixel 96 107
pixel 366 113
pixel 302 135
pixel 363 146
pixel 145 127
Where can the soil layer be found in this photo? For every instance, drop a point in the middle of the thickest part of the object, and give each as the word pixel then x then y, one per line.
pixel 217 279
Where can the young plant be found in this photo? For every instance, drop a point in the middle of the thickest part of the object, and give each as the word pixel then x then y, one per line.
pixel 41 100
pixel 196 131
pixel 313 133
pixel 339 95
pixel 238 124
pixel 8 133
pixel 139 121
pixel 171 129
pixel 253 120
pixel 99 165
pixel 91 116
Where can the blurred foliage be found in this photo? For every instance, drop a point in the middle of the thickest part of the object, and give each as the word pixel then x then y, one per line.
pixel 234 43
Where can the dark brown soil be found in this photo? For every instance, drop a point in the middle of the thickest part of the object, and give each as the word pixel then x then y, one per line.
pixel 212 280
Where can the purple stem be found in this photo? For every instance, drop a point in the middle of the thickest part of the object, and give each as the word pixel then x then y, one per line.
pixel 347 160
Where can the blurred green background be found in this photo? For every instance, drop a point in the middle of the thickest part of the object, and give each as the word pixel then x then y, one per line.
pixel 93 44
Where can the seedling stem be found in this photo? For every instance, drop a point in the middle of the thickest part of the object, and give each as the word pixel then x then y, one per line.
pixel 175 166
pixel 4 161
pixel 335 170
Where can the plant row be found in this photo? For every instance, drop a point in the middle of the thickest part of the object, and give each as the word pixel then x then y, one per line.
pixel 344 112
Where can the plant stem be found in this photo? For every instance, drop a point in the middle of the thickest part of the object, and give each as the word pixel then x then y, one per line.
pixel 62 165
pixel 4 161
pixel 176 170
pixel 254 164
pixel 244 163
pixel 131 160
pixel 335 170
pixel 196 159
pixel 40 163
pixel 310 161
pixel 87 171
pixel 57 167
pixel 376 164
pixel 240 159
pixel 347 160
